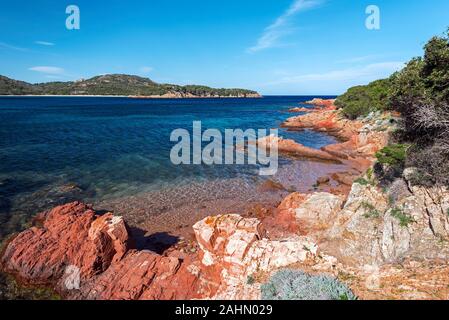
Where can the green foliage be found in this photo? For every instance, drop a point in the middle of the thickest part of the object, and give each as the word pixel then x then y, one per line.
pixel 10 289
pixel 361 100
pixel 371 211
pixel 390 164
pixel 115 85
pixel 362 181
pixel 394 154
pixel 297 285
pixel 369 180
pixel 404 219
pixel 13 87
pixel 250 280
pixel 370 173
pixel 421 93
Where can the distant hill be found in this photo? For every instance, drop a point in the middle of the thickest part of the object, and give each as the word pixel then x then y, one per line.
pixel 118 85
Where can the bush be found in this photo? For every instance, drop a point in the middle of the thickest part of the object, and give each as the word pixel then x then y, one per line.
pixel 370 211
pixel 404 219
pixel 362 181
pixel 297 285
pixel 390 163
pixel 393 155
pixel 360 101
pixel 421 93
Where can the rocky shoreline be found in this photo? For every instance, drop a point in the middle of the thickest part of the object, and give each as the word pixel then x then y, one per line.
pixel 347 229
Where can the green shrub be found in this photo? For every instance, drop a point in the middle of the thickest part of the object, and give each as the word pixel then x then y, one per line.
pixel 370 173
pixel 250 280
pixel 297 285
pixel 361 100
pixel 371 211
pixel 362 181
pixel 393 155
pixel 420 92
pixel 404 219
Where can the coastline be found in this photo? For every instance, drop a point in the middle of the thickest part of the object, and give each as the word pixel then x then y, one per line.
pixel 131 97
pixel 188 246
pixel 324 230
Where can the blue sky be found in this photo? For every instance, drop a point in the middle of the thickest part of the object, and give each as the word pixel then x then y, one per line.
pixel 273 46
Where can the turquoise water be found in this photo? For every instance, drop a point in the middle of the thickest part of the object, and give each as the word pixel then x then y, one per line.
pixel 55 149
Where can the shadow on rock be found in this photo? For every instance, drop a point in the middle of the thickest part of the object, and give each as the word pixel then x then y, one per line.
pixel 158 242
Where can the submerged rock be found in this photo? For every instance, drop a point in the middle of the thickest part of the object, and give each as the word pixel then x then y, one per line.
pixel 287 146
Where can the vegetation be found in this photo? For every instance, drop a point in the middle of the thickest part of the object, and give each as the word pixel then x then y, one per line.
pixel 404 219
pixel 10 289
pixel 297 285
pixel 371 211
pixel 115 84
pixel 361 100
pixel 13 87
pixel 367 179
pixel 420 92
pixel 393 155
pixel 362 181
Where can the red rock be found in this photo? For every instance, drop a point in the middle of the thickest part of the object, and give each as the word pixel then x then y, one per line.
pixel 143 275
pixel 71 235
pixel 296 149
pixel 74 237
pixel 234 248
pixel 270 185
pixel 321 102
pixel 294 110
pixel 323 180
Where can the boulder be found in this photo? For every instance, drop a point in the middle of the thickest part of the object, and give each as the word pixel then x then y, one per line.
pixel 372 230
pixel 84 255
pixel 71 235
pixel 239 248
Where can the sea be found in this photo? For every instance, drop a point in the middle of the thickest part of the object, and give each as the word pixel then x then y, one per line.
pixel 115 154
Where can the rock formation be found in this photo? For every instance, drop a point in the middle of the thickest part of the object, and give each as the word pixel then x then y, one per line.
pixel 85 255
pixel 291 147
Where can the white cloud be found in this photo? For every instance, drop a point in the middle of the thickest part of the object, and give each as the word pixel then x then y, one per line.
pixel 146 69
pixel 44 43
pixel 280 28
pixel 48 70
pixel 371 71
pixel 11 47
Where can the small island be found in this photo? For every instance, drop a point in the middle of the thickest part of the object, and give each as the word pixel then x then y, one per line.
pixel 118 85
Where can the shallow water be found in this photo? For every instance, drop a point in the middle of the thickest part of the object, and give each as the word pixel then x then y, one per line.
pixel 109 151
